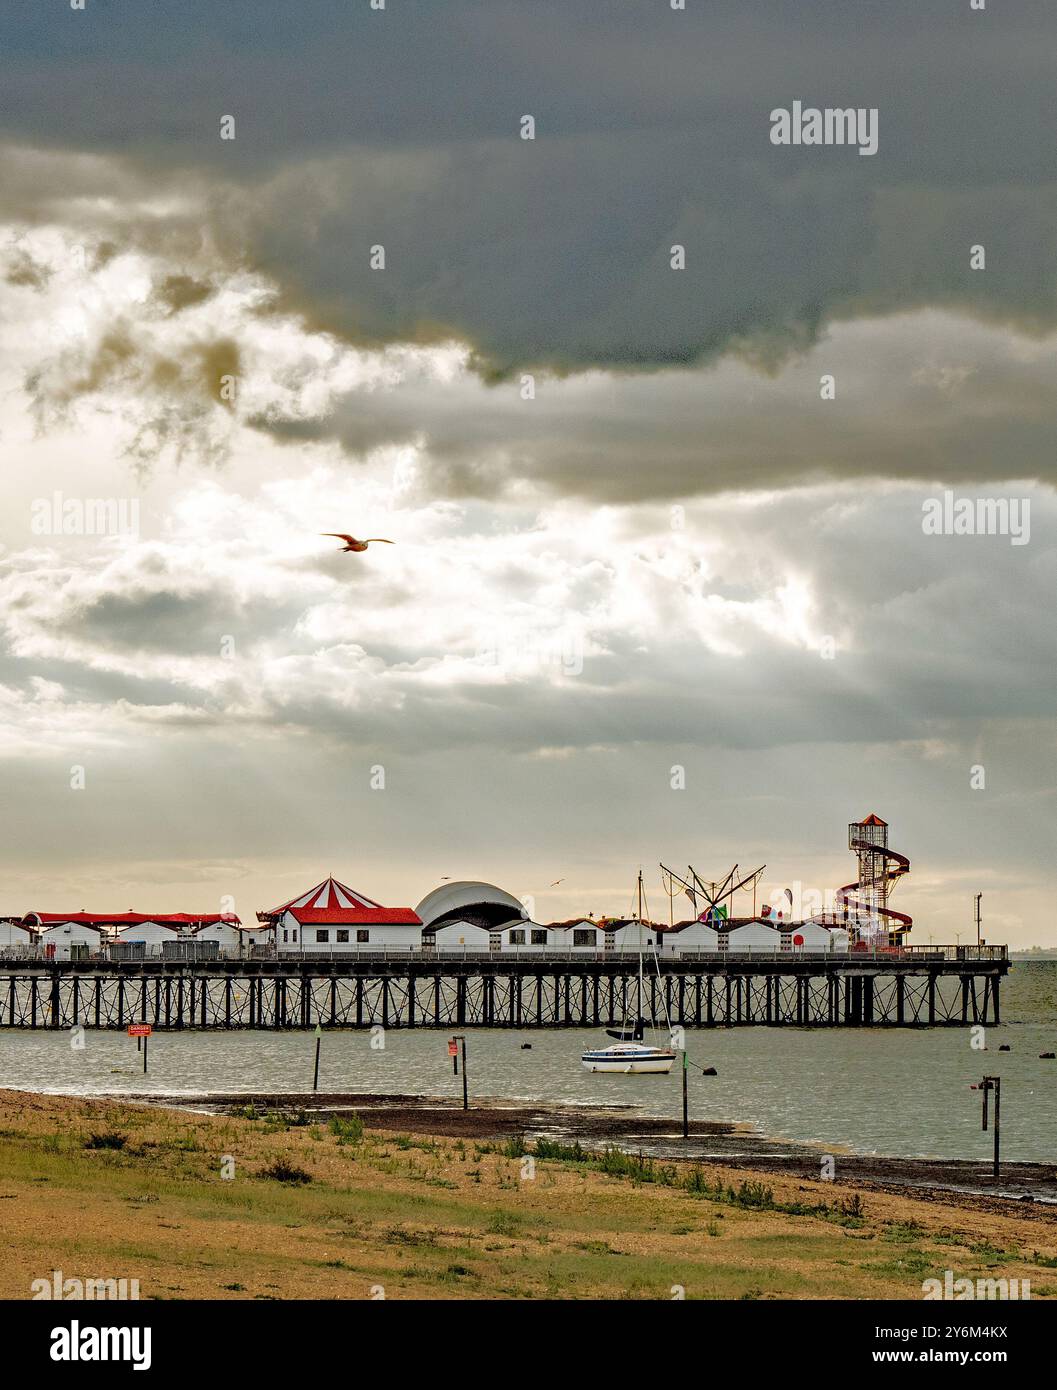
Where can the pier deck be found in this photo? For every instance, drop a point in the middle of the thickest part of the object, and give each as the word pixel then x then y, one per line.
pixel 921 987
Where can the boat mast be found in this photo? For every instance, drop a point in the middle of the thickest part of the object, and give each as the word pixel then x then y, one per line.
pixel 638 1014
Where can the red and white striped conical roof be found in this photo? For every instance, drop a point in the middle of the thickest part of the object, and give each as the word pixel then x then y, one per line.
pixel 333 902
pixel 328 894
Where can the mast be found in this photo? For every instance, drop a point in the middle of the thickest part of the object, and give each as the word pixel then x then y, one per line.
pixel 638 1014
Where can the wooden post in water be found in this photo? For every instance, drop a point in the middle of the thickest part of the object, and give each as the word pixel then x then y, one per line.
pixel 141 1032
pixel 686 1103
pixel 453 1049
pixel 988 1084
pixel 998 1120
pixel 315 1074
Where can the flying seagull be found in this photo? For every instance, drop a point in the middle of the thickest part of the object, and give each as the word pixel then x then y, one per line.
pixel 351 543
pixel 557 881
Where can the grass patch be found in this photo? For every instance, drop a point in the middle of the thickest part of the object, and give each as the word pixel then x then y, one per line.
pixel 748 1195
pixel 279 1170
pixel 504 1223
pixel 109 1139
pixel 346 1129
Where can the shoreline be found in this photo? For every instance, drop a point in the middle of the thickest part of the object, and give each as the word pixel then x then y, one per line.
pixel 1030 1188
pixel 277 1204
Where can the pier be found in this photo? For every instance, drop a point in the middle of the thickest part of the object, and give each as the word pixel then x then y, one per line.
pixel 914 987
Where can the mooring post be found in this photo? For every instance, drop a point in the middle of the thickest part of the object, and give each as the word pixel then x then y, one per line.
pixel 998 1121
pixel 459 1040
pixel 686 1102
pixel 987 1085
pixel 315 1074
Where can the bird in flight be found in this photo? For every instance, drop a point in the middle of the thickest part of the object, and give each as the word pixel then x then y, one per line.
pixel 557 881
pixel 351 543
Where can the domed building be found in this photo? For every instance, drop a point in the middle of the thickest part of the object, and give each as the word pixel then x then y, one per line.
pixel 468 916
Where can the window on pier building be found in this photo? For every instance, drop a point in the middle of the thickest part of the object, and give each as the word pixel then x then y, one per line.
pixel 584 937
pixel 286 936
pixel 539 938
pixel 517 937
pixel 363 936
pixel 322 934
pixel 343 934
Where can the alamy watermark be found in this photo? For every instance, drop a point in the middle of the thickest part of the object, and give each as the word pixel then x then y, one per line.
pixel 977 516
pixel 955 1290
pixel 77 1343
pixel 559 651
pixel 810 125
pixel 88 1290
pixel 59 515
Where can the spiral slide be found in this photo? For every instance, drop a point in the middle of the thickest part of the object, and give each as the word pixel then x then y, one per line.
pixel 894 870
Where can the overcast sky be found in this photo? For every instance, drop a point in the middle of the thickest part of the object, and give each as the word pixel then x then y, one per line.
pixel 669 551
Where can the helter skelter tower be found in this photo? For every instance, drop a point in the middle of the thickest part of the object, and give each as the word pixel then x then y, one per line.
pixel 865 902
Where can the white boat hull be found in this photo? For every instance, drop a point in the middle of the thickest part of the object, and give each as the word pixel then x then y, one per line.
pixel 630 1060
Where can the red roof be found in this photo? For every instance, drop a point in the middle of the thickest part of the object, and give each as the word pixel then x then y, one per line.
pixel 872 820
pixel 358 917
pixel 130 919
pixel 330 903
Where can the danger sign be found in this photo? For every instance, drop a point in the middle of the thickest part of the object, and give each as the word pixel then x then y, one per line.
pixel 453 1048
pixel 139 1030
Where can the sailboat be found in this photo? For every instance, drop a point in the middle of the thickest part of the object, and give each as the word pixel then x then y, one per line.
pixel 631 1055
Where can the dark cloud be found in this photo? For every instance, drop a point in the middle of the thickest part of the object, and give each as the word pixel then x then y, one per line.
pixel 169 402
pixel 400 127
pixel 924 398
pixel 24 271
pixel 178 292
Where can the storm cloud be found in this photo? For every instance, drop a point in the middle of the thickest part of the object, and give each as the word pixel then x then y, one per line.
pixel 356 128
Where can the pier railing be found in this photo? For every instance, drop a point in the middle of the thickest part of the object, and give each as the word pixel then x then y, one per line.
pixel 854 955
